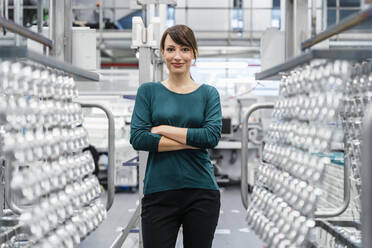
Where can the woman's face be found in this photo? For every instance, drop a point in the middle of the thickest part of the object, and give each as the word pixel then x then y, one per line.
pixel 177 57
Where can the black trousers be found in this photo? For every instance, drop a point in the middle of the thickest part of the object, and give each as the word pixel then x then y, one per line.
pixel 197 210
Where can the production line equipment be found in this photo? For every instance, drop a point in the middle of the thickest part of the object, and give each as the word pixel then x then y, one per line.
pixel 308 185
pixel 49 196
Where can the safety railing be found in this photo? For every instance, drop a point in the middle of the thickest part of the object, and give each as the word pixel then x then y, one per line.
pixel 8 192
pixel 244 152
pixel 338 211
pixel 111 172
pixel 342 26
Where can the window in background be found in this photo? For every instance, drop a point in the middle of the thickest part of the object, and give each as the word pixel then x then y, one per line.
pixel 275 14
pixel 347 7
pixel 126 21
pixel 170 16
pixel 237 16
pixel 232 77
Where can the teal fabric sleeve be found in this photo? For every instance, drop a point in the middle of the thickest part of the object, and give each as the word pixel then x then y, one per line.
pixel 141 137
pixel 209 134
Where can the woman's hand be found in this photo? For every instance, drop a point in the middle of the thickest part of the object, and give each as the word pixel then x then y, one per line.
pixel 157 129
pixel 178 134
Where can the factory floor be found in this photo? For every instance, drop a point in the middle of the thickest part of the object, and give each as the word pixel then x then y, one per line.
pixel 232 231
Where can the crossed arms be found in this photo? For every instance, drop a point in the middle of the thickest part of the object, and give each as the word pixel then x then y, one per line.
pixel 146 137
pixel 173 138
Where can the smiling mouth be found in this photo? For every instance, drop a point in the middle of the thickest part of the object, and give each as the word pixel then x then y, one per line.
pixel 177 64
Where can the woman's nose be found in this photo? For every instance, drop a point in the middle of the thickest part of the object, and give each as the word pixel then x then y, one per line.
pixel 177 55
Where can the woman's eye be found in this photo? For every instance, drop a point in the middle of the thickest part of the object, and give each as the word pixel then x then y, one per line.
pixel 170 49
pixel 185 49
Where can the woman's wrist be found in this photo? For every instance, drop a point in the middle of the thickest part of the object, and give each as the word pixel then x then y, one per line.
pixel 161 129
pixel 158 130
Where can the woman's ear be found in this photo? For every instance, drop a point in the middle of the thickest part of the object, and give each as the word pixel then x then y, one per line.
pixel 195 56
pixel 196 53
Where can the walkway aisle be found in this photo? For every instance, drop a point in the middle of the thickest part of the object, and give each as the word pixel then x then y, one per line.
pixel 232 231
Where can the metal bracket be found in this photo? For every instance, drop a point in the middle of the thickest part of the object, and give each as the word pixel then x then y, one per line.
pixel 245 139
pixel 111 152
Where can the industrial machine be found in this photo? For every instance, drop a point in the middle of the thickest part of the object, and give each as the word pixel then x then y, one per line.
pixel 308 189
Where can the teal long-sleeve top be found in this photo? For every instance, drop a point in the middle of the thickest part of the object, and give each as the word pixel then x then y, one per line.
pixel 200 112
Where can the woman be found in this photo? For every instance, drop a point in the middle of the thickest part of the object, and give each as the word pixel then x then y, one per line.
pixel 176 121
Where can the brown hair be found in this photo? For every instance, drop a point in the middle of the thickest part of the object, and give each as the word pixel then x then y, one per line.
pixel 182 35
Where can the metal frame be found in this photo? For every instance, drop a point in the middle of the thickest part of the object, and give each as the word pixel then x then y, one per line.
pixel 244 159
pixel 347 193
pixel 343 25
pixel 366 198
pixel 342 54
pixel 244 167
pixel 8 192
pixel 326 226
pixel 111 152
pixel 18 29
pixel 4 236
pixel 119 241
pixel 11 52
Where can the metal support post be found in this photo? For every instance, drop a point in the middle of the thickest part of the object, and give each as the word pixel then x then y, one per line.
pixel 324 14
pixel 287 6
pixel 40 20
pixel 18 18
pixel 101 24
pixel 144 76
pixel 300 24
pixel 6 9
pixel 114 11
pixel 163 17
pixel 366 180
pixel 68 31
pixel 244 152
pixel 50 21
pixel 2 192
pixel 313 17
pixel 296 25
pixel 60 29
pixel 150 13
pixel 57 26
pixel 144 67
pixel 40 5
pixel 337 11
pixel 145 48
pixel 159 70
pixel 1 8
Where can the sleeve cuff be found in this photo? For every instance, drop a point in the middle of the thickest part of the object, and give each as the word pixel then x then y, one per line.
pixel 155 144
pixel 189 137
